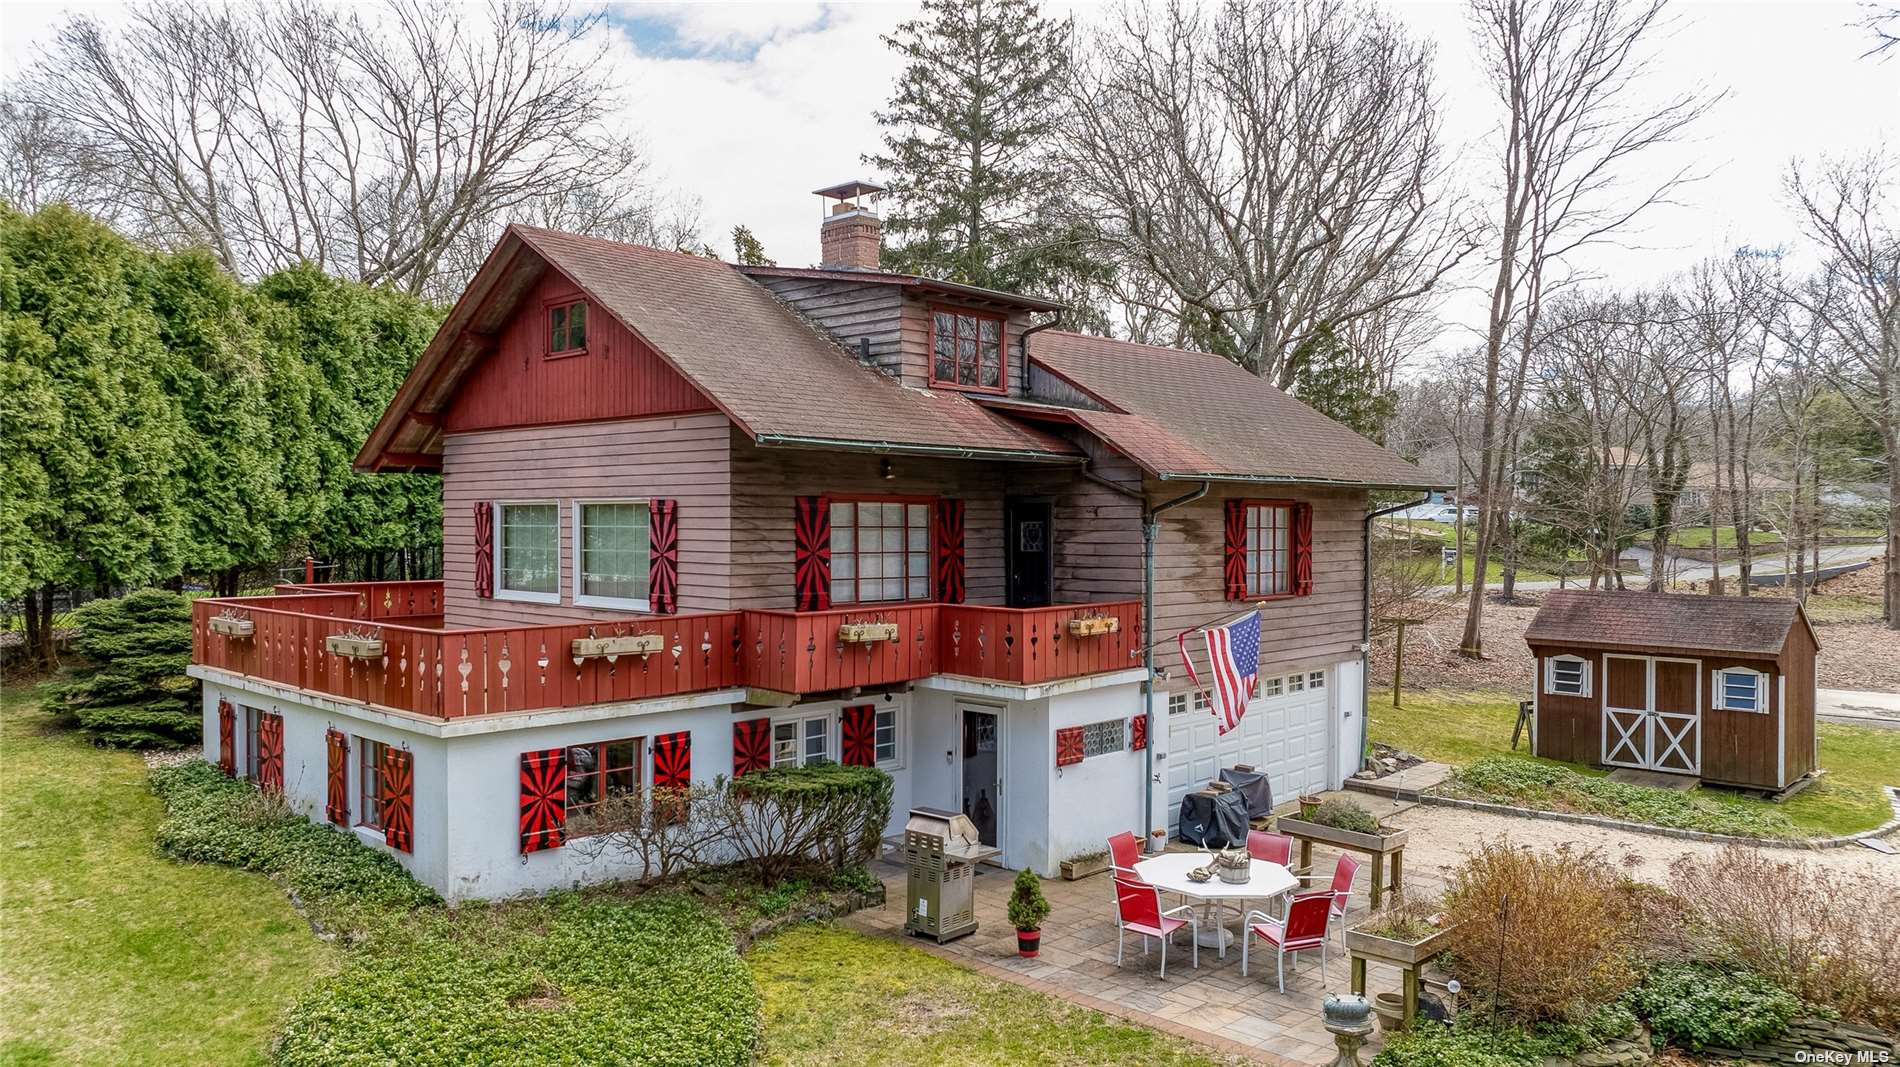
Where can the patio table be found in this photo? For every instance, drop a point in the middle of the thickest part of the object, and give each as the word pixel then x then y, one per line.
pixel 1168 873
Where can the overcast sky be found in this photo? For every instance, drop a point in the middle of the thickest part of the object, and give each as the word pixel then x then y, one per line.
pixel 751 106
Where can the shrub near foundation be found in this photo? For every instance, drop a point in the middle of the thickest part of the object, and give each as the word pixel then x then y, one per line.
pixel 1546 936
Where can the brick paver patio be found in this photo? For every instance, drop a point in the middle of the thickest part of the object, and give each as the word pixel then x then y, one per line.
pixel 1213 1004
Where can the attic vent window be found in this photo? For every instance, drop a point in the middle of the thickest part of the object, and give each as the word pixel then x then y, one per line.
pixel 966 350
pixel 567 328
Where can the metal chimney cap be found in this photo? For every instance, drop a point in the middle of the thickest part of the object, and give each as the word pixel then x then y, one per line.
pixel 855 187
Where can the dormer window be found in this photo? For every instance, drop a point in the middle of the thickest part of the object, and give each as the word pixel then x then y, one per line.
pixel 966 350
pixel 567 328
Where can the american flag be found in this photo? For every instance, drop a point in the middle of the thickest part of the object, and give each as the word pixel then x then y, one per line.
pixel 1233 648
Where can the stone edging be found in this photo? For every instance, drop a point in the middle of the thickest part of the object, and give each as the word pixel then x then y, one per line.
pixel 1812 843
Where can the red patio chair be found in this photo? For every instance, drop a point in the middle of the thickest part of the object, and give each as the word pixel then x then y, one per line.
pixel 1124 850
pixel 1303 929
pixel 1270 847
pixel 1138 907
pixel 1344 871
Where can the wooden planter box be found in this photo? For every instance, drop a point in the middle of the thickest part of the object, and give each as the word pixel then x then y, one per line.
pixel 354 647
pixel 1352 839
pixel 1398 953
pixel 866 633
pixel 1094 625
pixel 630 645
pixel 1076 870
pixel 230 627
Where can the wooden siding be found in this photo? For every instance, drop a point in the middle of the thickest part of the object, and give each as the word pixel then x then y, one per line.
pixel 765 480
pixel 684 458
pixel 1097 531
pixel 1797 661
pixel 1321 628
pixel 1738 747
pixel 1569 728
pixel 914 339
pixel 849 311
pixel 518 385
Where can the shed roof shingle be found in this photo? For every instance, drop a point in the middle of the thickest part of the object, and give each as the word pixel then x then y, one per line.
pixel 1189 414
pixel 1688 622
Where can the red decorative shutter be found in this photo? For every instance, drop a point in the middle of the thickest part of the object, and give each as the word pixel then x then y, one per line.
pixel 227 738
pixel 270 753
pixel 1138 733
pixel 663 579
pixel 947 568
pixel 336 805
pixel 543 799
pixel 860 735
pixel 751 746
pixel 1234 551
pixel 1302 549
pixel 811 553
pixel 484 549
pixel 673 760
pixel 397 792
pixel 1068 745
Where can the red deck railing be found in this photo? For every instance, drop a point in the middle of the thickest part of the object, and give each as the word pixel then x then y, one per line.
pixel 455 673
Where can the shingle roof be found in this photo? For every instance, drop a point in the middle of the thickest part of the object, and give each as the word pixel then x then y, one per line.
pixel 1756 625
pixel 1185 414
pixel 773 374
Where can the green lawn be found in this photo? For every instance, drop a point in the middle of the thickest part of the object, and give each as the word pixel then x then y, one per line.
pixel 110 953
pixel 845 999
pixel 1699 537
pixel 1460 728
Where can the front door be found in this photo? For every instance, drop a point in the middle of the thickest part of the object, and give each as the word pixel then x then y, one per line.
pixel 1652 713
pixel 1030 552
pixel 983 771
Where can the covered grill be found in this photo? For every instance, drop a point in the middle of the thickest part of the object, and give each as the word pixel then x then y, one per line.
pixel 941 851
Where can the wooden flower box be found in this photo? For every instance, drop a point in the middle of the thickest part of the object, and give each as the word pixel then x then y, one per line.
pixel 354 646
pixel 1093 625
pixel 867 632
pixel 230 626
pixel 1393 951
pixel 625 645
pixel 1381 847
pixel 1081 867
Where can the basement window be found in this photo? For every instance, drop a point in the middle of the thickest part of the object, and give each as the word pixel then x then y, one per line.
pixel 1102 738
pixel 369 783
pixel 567 328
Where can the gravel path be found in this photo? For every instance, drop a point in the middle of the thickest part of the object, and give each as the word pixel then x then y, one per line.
pixel 1442 837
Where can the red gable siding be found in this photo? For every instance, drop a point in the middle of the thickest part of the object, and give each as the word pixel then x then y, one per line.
pixel 617 378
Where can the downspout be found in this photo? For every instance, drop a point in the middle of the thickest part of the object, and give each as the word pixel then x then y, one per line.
pixel 1365 617
pixel 1022 345
pixel 1150 526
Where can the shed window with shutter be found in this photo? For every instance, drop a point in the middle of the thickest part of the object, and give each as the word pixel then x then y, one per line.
pixel 613 554
pixel 880 550
pixel 528 562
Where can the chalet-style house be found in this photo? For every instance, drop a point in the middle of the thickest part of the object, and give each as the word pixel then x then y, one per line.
pixel 703 518
pixel 1717 688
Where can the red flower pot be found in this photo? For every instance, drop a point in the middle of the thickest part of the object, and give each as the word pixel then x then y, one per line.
pixel 1028 942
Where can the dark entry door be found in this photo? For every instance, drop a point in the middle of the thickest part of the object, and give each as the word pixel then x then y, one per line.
pixel 982 772
pixel 1031 552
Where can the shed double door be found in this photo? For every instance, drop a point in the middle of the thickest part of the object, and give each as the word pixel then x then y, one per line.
pixel 1652 713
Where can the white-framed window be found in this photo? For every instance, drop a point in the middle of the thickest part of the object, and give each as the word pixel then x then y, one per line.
pixel 1183 702
pixel 801 742
pixel 1296 683
pixel 369 783
pixel 528 552
pixel 1741 689
pixel 887 734
pixel 1272 687
pixel 1567 676
pixel 253 740
pixel 1102 738
pixel 1177 704
pixel 880 550
pixel 1316 679
pixel 613 552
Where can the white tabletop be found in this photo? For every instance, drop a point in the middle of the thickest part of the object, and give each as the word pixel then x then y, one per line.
pixel 1168 872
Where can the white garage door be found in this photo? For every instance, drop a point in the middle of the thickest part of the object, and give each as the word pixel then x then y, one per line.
pixel 1283 732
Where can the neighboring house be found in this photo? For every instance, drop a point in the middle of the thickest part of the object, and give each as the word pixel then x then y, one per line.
pixel 1699 492
pixel 1718 688
pixel 824 514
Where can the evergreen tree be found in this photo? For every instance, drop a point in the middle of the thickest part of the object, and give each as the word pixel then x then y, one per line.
pixel 968 131
pixel 91 439
pixel 134 691
pixel 746 249
pixel 1338 383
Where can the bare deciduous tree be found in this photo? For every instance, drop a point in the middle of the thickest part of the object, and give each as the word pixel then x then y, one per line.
pixel 1262 173
pixel 1564 71
pixel 1850 209
pixel 380 143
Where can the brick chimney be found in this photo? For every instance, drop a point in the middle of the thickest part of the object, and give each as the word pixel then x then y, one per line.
pixel 851 231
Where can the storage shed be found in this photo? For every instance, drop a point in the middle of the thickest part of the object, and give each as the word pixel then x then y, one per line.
pixel 1721 688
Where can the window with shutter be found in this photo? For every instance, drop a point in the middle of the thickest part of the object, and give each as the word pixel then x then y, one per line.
pixel 751 746
pixel 227 738
pixel 543 799
pixel 484 549
pixel 270 753
pixel 336 805
pixel 858 725
pixel 811 553
pixel 398 799
pixel 663 575
pixel 948 569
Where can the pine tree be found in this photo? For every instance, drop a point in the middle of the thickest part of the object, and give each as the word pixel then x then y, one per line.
pixel 746 249
pixel 967 137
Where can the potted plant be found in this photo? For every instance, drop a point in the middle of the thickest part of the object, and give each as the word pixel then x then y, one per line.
pixel 1157 841
pixel 1309 804
pixel 1027 909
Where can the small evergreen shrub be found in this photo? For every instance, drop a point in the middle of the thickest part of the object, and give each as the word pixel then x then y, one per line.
pixel 134 692
pixel 210 818
pixel 1027 906
pixel 1697 1005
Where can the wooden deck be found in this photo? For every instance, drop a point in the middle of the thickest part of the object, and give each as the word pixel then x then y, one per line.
pixel 452 674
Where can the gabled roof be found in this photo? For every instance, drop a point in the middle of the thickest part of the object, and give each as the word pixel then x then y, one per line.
pixel 774 376
pixel 1182 414
pixel 1681 622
